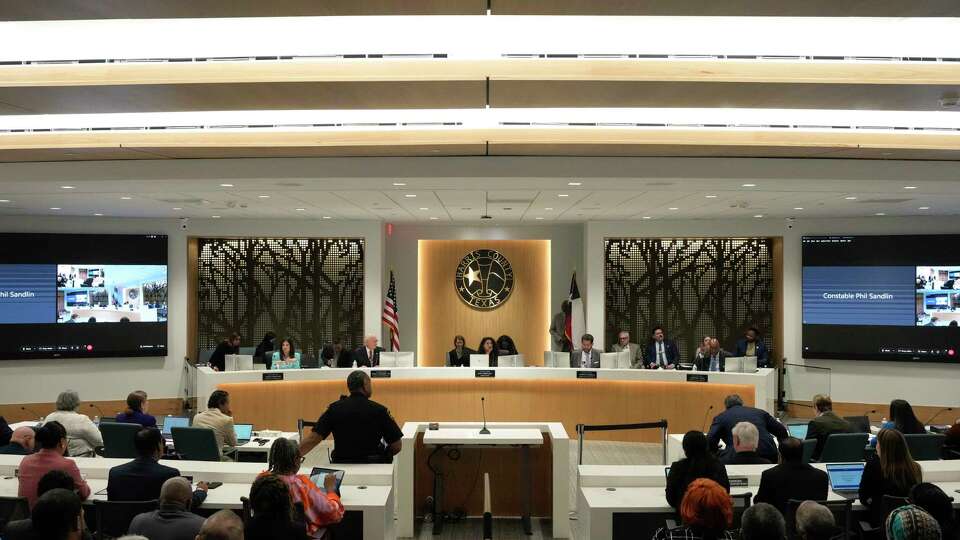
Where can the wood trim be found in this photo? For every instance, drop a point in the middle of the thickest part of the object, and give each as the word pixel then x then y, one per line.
pixel 193 279
pixel 720 70
pixel 157 407
pixel 804 409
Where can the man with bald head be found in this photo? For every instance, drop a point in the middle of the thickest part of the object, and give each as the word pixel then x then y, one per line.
pixel 173 519
pixel 21 442
pixel 224 525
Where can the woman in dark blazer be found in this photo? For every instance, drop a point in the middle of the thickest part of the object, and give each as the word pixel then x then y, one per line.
pixel 698 463
pixel 891 472
pixel 459 356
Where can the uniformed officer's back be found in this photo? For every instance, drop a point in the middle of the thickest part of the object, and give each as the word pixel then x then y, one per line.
pixel 363 430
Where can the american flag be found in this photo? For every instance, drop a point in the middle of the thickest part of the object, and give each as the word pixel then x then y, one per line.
pixel 391 316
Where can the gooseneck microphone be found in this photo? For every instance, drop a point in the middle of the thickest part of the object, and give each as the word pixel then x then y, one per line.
pixel 941 411
pixel 705 416
pixel 99 410
pixel 31 411
pixel 483 409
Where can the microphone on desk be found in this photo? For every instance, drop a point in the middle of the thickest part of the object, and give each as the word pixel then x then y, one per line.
pixel 705 416
pixel 941 411
pixel 484 431
pixel 99 410
pixel 31 411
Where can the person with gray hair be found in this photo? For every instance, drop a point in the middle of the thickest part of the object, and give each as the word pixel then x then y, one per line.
pixel 224 525
pixel 762 522
pixel 767 428
pixel 360 426
pixel 745 441
pixel 369 354
pixel 815 522
pixel 172 520
pixel 82 434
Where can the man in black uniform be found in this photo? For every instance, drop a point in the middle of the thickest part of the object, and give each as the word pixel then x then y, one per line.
pixel 231 345
pixel 363 430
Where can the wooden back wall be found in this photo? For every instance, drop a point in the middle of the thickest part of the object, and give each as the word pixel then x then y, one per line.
pixel 525 316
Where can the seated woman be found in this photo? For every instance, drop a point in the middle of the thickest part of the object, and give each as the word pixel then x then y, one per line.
pixel 82 434
pixel 273 512
pixel 287 357
pixel 706 513
pixel 489 348
pixel 505 346
pixel 136 412
pixel 321 507
pixel 460 354
pixel 891 472
pixel 698 463
pixel 902 419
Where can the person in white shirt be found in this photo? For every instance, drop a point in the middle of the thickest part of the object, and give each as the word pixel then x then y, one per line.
pixel 586 356
pixel 82 434
pixel 219 418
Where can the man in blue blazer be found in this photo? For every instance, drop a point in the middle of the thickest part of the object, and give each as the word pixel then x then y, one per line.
pixel 751 345
pixel 767 426
pixel 661 353
pixel 142 478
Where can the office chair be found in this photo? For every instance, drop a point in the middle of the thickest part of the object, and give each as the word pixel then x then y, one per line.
pixel 925 446
pixel 118 439
pixel 844 448
pixel 114 517
pixel 196 443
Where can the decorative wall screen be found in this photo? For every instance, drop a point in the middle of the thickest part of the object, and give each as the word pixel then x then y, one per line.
pixel 693 287
pixel 309 289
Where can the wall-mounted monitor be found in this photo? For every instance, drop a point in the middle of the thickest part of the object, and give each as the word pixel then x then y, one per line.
pixel 882 297
pixel 82 295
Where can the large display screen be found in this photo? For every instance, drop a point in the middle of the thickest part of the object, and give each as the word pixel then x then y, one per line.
pixel 82 295
pixel 881 297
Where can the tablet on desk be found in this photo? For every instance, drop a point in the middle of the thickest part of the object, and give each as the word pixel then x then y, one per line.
pixel 319 473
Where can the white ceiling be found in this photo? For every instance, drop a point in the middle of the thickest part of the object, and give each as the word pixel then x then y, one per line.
pixel 465 198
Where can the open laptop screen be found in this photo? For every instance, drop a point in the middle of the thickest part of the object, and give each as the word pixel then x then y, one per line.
pixel 798 430
pixel 243 431
pixel 845 476
pixel 174 421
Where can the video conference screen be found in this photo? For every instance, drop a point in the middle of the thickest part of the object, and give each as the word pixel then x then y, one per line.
pixel 82 295
pixel 881 297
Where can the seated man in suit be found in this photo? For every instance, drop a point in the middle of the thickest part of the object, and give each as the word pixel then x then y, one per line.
pixel 661 353
pixel 586 356
pixel 745 440
pixel 713 359
pixel 460 354
pixel 767 427
pixel 791 479
pixel 143 478
pixel 623 344
pixel 752 345
pixel 369 354
pixel 826 423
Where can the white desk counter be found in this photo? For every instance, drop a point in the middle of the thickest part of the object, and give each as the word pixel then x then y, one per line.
pixel 764 380
pixel 472 437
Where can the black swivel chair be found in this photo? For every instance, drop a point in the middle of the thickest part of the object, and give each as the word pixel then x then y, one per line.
pixel 13 509
pixel 925 446
pixel 889 504
pixel 844 447
pixel 195 443
pixel 858 424
pixel 114 517
pixel 118 439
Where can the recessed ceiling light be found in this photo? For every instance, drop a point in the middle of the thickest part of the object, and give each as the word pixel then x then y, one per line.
pixel 647 217
pixel 850 198
pixel 411 196
pixel 125 198
pixel 301 209
pixel 215 217
pixel 749 185
pixel 98 214
pixel 4 200
pixel 909 187
pixel 758 216
pixel 326 217
pixel 226 185
pixel 66 187
pixel 424 208
pixel 673 208
pixel 563 195
pixel 434 218
pixel 399 184
pixel 710 196
pixel 177 208
pixel 879 214
pixel 923 208
pixel 263 196
pixel 538 217
pixel 798 208
pixel 574 183
pixel 549 209
pixel 55 208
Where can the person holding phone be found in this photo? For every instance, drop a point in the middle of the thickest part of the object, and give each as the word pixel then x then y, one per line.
pixel 321 507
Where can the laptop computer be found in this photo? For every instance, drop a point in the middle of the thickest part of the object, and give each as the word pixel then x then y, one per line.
pixel 845 477
pixel 318 474
pixel 171 422
pixel 798 430
pixel 244 433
